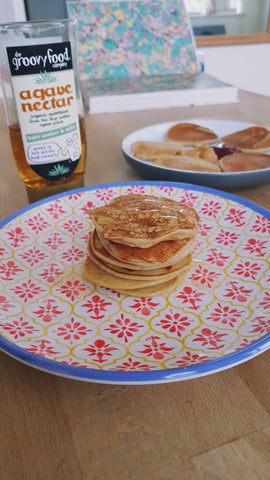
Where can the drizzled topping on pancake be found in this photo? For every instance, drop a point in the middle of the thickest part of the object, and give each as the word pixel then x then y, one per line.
pixel 144 220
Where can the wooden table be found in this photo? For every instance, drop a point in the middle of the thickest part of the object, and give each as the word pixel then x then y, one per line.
pixel 212 428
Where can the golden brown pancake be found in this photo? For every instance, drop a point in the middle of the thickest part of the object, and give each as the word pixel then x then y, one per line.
pixel 156 289
pixel 98 275
pixel 203 152
pixel 140 265
pixel 149 150
pixel 190 134
pixel 144 220
pixel 136 275
pixel 253 139
pixel 244 162
pixel 94 274
pixel 162 254
pixel 186 163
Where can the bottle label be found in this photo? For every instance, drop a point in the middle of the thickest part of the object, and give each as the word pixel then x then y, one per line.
pixel 45 96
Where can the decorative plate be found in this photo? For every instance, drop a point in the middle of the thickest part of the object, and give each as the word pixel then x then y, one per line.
pixel 156 133
pixel 53 320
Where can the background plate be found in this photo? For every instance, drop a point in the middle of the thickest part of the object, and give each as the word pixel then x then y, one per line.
pixel 156 133
pixel 51 319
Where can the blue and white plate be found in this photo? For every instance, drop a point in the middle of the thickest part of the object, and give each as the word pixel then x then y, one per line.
pixel 54 320
pixel 156 133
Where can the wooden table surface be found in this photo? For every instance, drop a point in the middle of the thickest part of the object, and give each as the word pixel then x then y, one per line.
pixel 213 427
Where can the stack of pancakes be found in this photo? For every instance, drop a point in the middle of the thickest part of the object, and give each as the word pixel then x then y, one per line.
pixel 141 244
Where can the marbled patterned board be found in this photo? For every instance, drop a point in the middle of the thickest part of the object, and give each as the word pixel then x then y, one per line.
pixel 133 38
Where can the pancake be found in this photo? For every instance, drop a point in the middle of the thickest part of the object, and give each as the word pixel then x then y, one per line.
pixel 144 220
pixel 149 150
pixel 94 274
pixel 190 134
pixel 251 140
pixel 204 152
pixel 156 289
pixel 143 267
pixel 147 276
pixel 244 162
pixel 186 163
pixel 162 254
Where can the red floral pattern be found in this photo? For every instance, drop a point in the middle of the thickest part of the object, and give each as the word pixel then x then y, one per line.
pixel 190 358
pixel 191 297
pixel 211 208
pixel 27 290
pixel 236 291
pixel 38 223
pixel 144 306
pixel 236 217
pixel 9 270
pixel 256 247
pixel 17 237
pixel 55 209
pixel 261 325
pixel 225 315
pixel 210 339
pixel 54 241
pixel 48 310
pixel 227 238
pixel 247 269
pixel 261 225
pixel 72 330
pixel 99 351
pixel 124 328
pixel 204 277
pixel 33 256
pixel 156 347
pixel 5 304
pixel 97 307
pixel 19 328
pixel 174 323
pixel 131 365
pixel 72 289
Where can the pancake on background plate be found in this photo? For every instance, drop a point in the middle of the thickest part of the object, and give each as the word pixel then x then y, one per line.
pixel 244 162
pixel 251 140
pixel 190 134
pixel 149 150
pixel 204 152
pixel 186 162
pixel 155 240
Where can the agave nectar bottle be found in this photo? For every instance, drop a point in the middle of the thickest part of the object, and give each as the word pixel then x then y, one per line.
pixel 42 100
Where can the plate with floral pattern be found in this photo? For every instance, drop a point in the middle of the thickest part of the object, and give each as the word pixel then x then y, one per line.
pixel 55 321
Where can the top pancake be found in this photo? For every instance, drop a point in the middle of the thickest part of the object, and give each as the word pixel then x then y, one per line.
pixel 190 134
pixel 251 140
pixel 144 220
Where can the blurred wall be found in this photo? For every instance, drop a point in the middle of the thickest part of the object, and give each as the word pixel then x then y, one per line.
pixel 12 11
pixel 246 66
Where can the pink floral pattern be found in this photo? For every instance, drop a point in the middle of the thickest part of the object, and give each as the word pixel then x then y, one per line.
pixel 48 309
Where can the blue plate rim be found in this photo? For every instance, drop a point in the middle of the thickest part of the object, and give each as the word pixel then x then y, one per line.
pixel 152 376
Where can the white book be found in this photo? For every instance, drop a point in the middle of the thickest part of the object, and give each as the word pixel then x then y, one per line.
pixel 155 92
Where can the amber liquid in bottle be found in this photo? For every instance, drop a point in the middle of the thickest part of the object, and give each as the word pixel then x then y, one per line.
pixel 29 176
